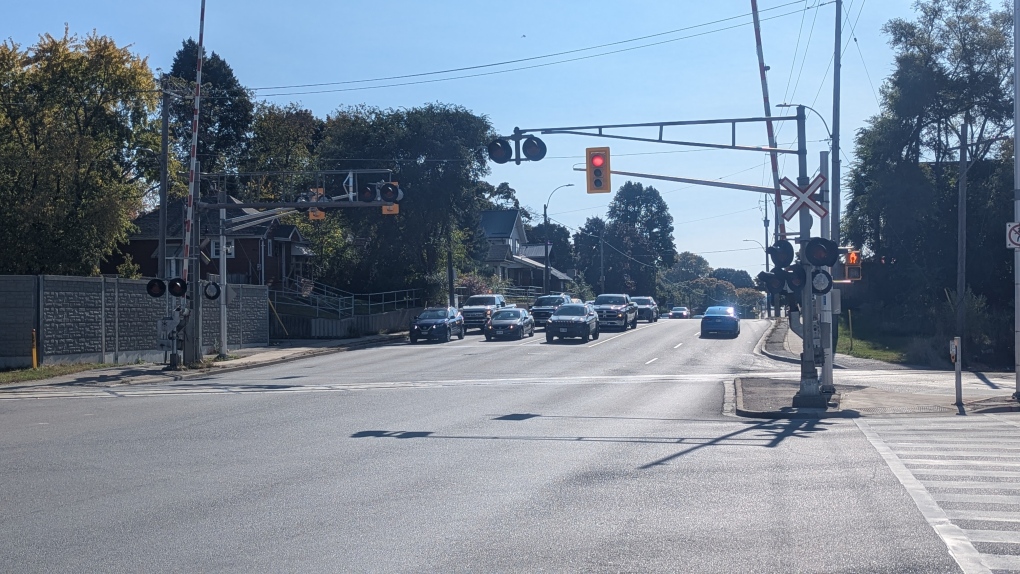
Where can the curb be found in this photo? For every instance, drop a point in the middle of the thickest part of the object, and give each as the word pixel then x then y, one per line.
pixel 760 347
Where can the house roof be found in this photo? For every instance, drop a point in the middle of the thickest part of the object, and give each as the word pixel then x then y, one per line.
pixel 501 224
pixel 553 272
pixel 499 252
pixel 148 223
pixel 535 251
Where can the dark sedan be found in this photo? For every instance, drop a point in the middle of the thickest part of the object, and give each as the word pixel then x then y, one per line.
pixel 680 313
pixel 573 320
pixel 439 323
pixel 509 323
pixel 647 308
pixel 720 320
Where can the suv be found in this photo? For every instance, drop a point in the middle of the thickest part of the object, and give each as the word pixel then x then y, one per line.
pixel 478 308
pixel 616 310
pixel 647 308
pixel 544 306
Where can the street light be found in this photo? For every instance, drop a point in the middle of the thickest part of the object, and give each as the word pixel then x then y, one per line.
pixel 827 130
pixel 545 233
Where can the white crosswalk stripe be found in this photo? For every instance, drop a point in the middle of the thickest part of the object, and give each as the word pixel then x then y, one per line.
pixel 964 476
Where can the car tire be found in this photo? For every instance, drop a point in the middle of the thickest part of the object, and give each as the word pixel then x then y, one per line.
pixel 488 337
pixel 520 334
pixel 532 333
pixel 595 334
pixel 460 334
pixel 633 324
pixel 549 337
pixel 448 336
pixel 414 340
pixel 585 337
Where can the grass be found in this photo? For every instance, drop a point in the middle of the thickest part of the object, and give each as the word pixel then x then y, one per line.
pixel 867 346
pixel 45 372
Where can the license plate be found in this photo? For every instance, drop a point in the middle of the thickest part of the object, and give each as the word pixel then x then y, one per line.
pixel 499 332
pixel 563 330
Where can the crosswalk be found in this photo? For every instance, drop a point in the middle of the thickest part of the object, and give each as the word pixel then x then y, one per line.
pixel 964 475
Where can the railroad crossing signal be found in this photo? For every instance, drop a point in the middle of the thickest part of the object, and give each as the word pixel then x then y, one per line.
pixel 597 169
pixel 803 197
pixel 315 214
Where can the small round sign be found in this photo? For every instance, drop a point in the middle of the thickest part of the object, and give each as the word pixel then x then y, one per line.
pixel 821 282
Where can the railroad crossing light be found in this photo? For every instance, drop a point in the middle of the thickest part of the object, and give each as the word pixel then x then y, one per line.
pixel 368 193
pixel 821 252
pixel 853 265
pixel 533 148
pixel 771 282
pixel 391 192
pixel 597 168
pixel 796 278
pixel 155 288
pixel 178 287
pixel 781 253
pixel 500 151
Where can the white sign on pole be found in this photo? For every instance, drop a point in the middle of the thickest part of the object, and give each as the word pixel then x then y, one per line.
pixel 803 197
pixel 1013 235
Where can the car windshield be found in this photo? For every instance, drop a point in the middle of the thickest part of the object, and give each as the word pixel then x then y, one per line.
pixel 610 300
pixel 548 301
pixel 720 311
pixel 481 300
pixel 679 309
pixel 643 300
pixel 433 314
pixel 506 314
pixel 571 311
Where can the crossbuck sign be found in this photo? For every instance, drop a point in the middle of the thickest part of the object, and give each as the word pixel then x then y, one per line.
pixel 803 197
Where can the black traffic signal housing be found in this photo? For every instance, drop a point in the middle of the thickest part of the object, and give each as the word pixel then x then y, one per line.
pixel 500 151
pixel 155 288
pixel 771 282
pixel 596 165
pixel 533 148
pixel 368 193
pixel 178 287
pixel 821 252
pixel 390 192
pixel 796 278
pixel 781 253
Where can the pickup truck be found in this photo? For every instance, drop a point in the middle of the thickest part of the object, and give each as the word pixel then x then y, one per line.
pixel 546 305
pixel 478 308
pixel 616 310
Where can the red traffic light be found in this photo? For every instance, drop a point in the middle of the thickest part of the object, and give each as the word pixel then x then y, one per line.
pixel 155 288
pixel 598 160
pixel 500 151
pixel 853 258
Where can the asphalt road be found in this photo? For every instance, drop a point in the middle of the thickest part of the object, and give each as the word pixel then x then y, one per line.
pixel 469 456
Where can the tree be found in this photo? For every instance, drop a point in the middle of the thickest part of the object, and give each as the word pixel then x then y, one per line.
pixel 641 230
pixel 283 138
pixel 749 300
pixel 712 292
pixel 688 267
pixel 74 129
pixel 225 111
pixel 739 278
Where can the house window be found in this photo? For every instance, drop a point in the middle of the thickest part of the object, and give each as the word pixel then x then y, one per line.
pixel 215 249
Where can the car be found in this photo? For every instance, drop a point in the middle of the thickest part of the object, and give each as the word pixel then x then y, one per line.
pixel 647 309
pixel 440 323
pixel 573 320
pixel 720 320
pixel 616 310
pixel 680 313
pixel 509 323
pixel 544 306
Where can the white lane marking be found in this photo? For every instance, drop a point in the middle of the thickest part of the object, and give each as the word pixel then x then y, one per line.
pixel 647 325
pixel 678 345
pixel 652 361
pixel 960 547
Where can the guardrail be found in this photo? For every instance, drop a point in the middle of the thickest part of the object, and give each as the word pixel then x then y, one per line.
pixel 320 305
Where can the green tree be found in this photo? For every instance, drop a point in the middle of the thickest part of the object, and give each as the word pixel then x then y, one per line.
pixel 226 110
pixel 75 151
pixel 688 267
pixel 749 301
pixel 739 278
pixel 641 230
pixel 283 138
pixel 711 292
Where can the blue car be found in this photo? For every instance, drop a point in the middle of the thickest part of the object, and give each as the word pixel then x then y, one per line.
pixel 720 320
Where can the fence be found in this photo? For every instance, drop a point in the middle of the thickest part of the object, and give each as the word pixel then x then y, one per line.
pixel 109 320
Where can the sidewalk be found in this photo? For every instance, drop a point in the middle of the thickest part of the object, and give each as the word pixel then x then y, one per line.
pixel 248 358
pixel 867 387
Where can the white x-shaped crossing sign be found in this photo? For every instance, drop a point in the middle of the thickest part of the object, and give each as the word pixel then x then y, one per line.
pixel 803 197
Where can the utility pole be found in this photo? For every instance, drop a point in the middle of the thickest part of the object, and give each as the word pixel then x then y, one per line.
pixel 836 61
pixel 1016 195
pixel 223 274
pixel 961 241
pixel 774 157
pixel 164 153
pixel 768 307
pixel 602 259
pixel 545 240
pixel 452 298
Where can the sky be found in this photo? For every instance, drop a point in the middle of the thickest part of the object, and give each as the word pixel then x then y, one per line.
pixel 659 61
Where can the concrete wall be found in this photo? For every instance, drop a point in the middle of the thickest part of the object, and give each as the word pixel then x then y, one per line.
pixel 101 320
pixel 296 327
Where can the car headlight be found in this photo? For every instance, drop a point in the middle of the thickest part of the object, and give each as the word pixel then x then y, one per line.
pixel 619 314
pixel 511 326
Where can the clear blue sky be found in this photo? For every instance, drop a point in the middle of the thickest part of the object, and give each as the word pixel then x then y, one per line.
pixel 699 72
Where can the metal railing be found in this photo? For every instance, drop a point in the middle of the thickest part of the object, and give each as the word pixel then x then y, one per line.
pixel 311 299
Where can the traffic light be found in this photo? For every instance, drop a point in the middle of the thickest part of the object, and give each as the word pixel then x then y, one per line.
pixel 368 193
pixel 533 148
pixel 821 252
pixel 597 168
pixel 771 282
pixel 853 265
pixel 781 253
pixel 500 151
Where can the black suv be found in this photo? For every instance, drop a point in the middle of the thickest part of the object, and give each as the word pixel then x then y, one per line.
pixel 647 308
pixel 616 310
pixel 544 306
